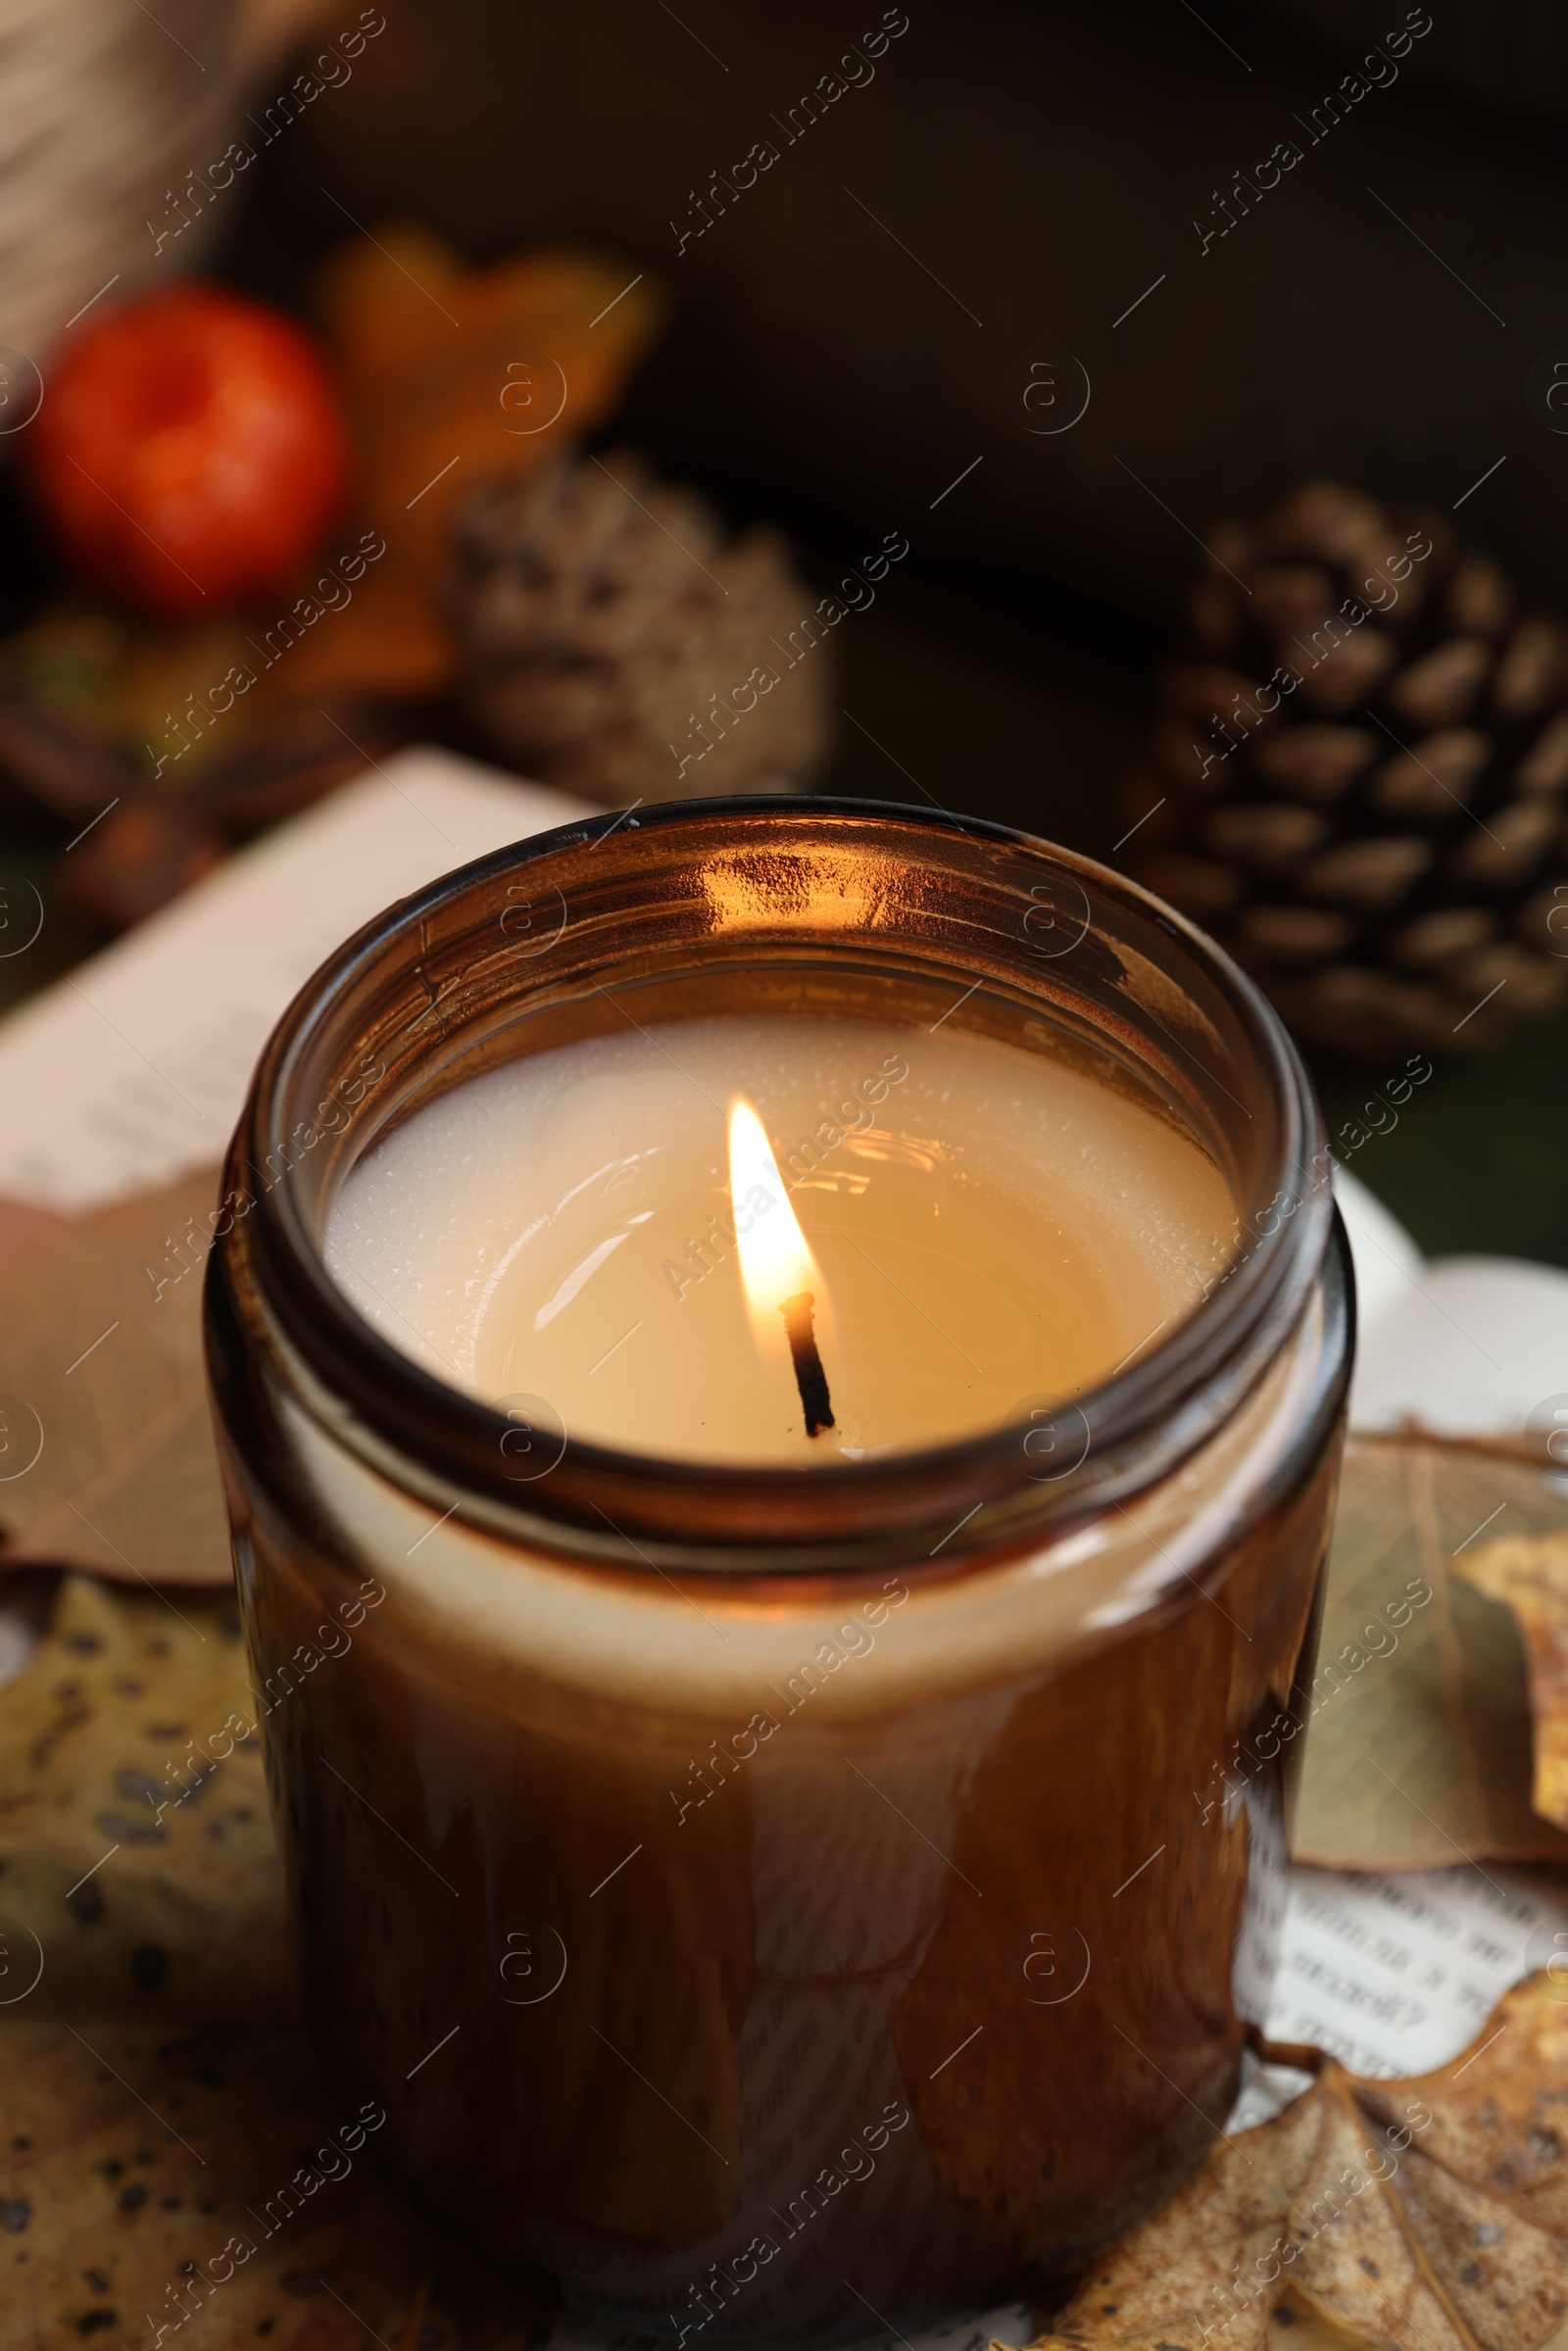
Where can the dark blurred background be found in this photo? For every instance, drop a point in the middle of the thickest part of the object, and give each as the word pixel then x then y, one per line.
pixel 845 343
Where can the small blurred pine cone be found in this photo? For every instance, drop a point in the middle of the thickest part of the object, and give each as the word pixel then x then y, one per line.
pixel 616 644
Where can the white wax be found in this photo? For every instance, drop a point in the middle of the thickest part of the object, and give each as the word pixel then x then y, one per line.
pixel 993 1229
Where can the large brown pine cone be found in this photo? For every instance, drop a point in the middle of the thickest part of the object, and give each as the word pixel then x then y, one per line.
pixel 619 644
pixel 1360 777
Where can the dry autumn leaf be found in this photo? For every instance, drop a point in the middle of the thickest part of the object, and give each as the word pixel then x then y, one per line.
pixel 156 2169
pixel 453 377
pixel 150 2181
pixel 1428 2213
pixel 1530 1576
pixel 1417 1750
pixel 107 1458
pixel 138 1868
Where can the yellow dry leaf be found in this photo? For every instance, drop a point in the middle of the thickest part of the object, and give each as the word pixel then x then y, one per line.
pixel 1529 1575
pixel 453 377
pixel 1426 2214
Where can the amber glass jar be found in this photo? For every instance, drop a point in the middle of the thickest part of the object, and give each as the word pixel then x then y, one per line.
pixel 907 2037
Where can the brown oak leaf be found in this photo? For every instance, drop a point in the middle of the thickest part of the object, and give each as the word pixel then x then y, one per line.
pixel 1417 1750
pixel 1429 2214
pixel 106 1441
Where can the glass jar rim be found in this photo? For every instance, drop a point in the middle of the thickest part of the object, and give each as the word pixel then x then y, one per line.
pixel 1037 929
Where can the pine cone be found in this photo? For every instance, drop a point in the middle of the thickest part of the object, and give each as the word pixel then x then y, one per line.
pixel 1360 777
pixel 619 646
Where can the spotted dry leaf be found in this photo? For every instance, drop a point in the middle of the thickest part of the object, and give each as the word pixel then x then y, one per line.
pixel 1426 2214
pixel 1530 1576
pixel 137 1867
pixel 207 2188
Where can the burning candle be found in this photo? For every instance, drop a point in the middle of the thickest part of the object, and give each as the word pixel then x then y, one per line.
pixel 807 1344
pixel 776 1265
pixel 788 1239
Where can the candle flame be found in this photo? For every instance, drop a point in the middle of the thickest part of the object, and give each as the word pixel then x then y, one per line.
pixel 775 1262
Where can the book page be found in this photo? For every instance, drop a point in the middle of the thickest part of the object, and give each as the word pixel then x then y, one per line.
pixel 131 1071
pixel 1395 1974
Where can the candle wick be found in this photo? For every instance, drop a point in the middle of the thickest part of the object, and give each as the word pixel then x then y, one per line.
pixel 809 1377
